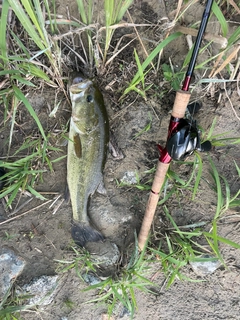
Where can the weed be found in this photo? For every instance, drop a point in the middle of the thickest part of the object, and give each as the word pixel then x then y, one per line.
pixel 23 173
pixel 183 246
pixel 32 18
pixel 11 307
pixel 121 288
pixel 146 128
pixel 173 183
pixel 9 236
pixel 175 78
pixel 221 139
pixel 180 251
pixel 116 289
pixel 114 11
pixel 141 79
pixel 82 262
pixel 69 303
pixel 224 201
pixel 138 76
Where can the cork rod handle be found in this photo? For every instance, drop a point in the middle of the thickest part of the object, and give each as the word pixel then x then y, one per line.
pixel 179 109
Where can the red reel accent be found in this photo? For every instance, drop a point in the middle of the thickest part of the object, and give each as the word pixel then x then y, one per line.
pixel 173 125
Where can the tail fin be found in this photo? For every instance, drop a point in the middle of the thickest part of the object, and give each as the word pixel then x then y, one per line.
pixel 82 234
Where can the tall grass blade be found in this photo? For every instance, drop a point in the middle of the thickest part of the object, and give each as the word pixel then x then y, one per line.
pixel 151 56
pixel 30 109
pixel 20 45
pixel 215 240
pixel 53 24
pixel 26 22
pixel 139 68
pixel 35 193
pixel 199 174
pixel 14 110
pixel 172 221
pixel 124 6
pixel 223 240
pixel 36 16
pixel 114 12
pixel 227 195
pixel 35 71
pixel 237 167
pixel 210 132
pixel 3 29
pixel 218 13
pixel 216 178
pixel 82 11
pixel 234 37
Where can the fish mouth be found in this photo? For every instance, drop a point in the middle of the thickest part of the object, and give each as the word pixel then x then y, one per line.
pixel 79 85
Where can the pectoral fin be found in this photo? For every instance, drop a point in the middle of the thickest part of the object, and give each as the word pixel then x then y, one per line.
pixel 77 146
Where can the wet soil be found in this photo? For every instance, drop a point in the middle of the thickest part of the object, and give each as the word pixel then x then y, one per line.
pixel 40 231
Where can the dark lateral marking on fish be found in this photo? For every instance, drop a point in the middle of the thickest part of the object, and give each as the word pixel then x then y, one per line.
pixel 82 234
pixel 77 146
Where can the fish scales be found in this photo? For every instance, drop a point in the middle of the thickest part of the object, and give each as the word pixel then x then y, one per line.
pixel 87 150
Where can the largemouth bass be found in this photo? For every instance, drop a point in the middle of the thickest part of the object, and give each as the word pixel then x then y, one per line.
pixel 87 150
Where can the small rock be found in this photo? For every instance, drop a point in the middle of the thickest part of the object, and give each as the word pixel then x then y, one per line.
pixel 11 265
pixel 91 279
pixel 42 289
pixel 125 312
pixel 105 253
pixel 105 316
pixel 203 268
pixel 129 177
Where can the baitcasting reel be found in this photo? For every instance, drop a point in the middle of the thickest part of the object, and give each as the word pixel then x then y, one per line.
pixel 187 139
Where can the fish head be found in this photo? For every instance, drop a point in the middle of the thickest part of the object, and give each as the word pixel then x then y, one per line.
pixel 79 90
pixel 82 94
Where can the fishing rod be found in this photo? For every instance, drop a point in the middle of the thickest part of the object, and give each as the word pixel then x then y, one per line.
pixel 183 136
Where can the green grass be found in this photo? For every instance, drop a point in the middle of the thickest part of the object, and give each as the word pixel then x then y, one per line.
pixel 11 307
pixel 175 77
pixel 97 38
pixel 114 12
pixel 117 289
pixel 23 173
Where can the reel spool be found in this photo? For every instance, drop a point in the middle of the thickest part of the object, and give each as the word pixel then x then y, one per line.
pixel 187 139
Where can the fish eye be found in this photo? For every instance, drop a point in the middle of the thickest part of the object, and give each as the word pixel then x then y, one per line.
pixel 77 80
pixel 89 98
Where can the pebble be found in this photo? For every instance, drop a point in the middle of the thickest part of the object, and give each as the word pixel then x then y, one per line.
pixel 91 279
pixel 11 265
pixel 42 289
pixel 129 177
pixel 203 268
pixel 103 253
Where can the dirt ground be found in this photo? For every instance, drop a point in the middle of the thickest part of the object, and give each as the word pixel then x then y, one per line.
pixel 40 231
